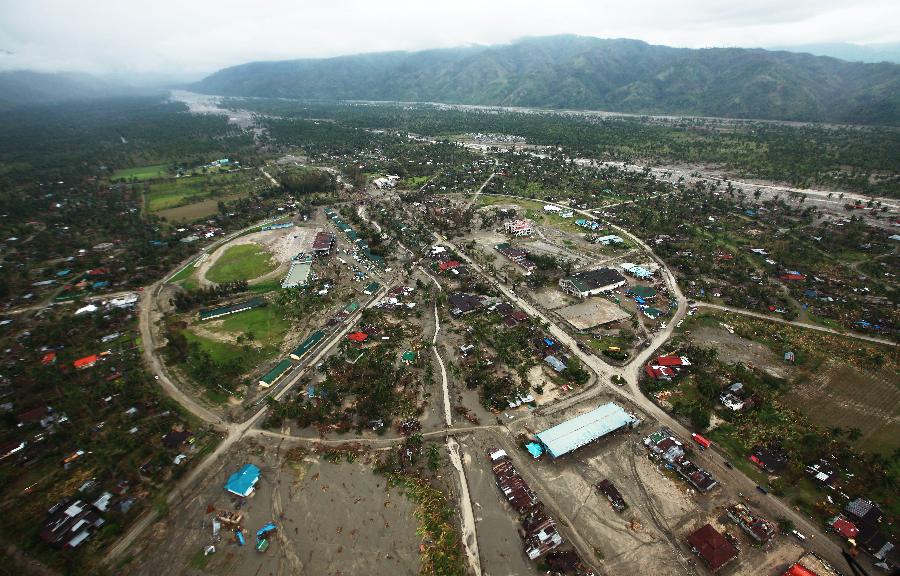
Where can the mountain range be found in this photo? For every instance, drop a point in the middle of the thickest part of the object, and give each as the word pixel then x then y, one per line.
pixel 28 87
pixel 577 72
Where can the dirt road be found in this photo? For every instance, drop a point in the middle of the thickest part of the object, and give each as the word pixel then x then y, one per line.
pixel 796 323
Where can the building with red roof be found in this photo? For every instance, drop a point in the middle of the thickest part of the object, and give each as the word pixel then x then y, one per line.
pixel 49 358
pixel 358 337
pixel 798 570
pixel 672 361
pixel 711 546
pixel 658 372
pixel 85 362
pixel 793 277
pixel 844 527
pixel 448 265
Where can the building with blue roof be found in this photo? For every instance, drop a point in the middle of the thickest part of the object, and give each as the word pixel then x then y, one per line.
pixel 582 430
pixel 242 482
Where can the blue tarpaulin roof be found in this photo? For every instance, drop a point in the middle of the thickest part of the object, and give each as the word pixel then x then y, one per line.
pixel 535 449
pixel 584 429
pixel 243 481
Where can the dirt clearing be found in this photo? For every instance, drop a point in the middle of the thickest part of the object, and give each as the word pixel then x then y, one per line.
pixel 332 519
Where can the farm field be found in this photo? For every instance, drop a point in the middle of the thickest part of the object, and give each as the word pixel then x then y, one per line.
pixel 838 395
pixel 832 383
pixel 176 192
pixel 241 262
pixel 142 172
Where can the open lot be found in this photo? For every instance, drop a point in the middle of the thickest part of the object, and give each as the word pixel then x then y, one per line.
pixel 332 519
pixel 592 312
pixel 266 324
pixel 240 262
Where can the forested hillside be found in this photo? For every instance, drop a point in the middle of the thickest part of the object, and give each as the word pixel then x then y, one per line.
pixel 590 73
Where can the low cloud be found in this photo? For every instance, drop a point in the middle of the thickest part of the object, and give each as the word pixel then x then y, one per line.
pixel 194 37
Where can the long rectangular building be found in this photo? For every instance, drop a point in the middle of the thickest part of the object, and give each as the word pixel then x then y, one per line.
pixel 307 344
pixel 577 432
pixel 211 313
pixel 275 373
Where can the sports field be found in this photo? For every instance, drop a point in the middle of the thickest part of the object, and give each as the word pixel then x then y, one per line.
pixel 241 262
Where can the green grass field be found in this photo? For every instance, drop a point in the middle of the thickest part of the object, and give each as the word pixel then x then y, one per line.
pixel 267 324
pixel 242 262
pixel 175 192
pixel 142 172
pixel 218 351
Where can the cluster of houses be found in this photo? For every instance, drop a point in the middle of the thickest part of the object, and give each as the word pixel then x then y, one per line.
pixel 446 263
pixel 736 397
pixel 539 531
pixel 591 225
pixel 518 256
pixel 861 523
pixel 665 446
pixel 396 298
pixel 361 247
pixel 559 211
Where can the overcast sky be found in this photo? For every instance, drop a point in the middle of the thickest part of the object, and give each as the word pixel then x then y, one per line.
pixel 189 38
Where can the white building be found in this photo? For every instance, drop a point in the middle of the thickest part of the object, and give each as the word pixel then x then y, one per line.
pixel 518 227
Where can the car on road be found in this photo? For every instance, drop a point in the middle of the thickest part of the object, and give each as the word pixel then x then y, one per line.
pixel 798 535
pixel 761 489
pixel 728 465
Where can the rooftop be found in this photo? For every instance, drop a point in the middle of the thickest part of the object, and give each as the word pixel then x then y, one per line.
pixel 241 483
pixel 712 547
pixel 575 433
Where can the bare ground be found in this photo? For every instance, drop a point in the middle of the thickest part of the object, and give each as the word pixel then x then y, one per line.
pixel 333 519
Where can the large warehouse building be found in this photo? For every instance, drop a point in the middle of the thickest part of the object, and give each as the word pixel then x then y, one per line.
pixel 577 432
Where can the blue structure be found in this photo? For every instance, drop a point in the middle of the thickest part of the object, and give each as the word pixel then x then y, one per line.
pixel 239 536
pixel 241 483
pixel 262 532
pixel 534 449
pixel 577 432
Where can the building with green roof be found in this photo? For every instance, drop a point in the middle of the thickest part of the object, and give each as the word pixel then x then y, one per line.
pixel 275 373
